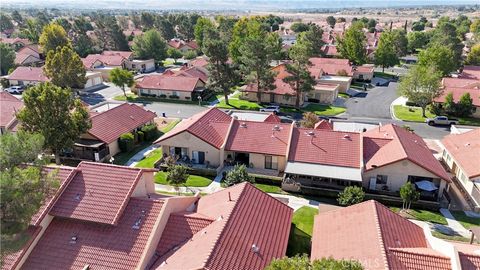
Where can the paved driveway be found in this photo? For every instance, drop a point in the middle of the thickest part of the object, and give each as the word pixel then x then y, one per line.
pixel 108 91
pixel 174 109
pixel 375 103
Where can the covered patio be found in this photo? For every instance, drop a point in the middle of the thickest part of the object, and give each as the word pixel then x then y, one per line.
pixel 85 149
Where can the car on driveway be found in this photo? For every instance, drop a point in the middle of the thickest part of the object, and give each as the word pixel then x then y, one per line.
pixel 271 108
pixel 441 120
pixel 18 89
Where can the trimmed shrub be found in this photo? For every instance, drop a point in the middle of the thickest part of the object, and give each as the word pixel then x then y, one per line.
pixel 126 142
pixel 187 97
pixel 174 96
pixel 150 132
pixel 163 96
pixel 351 195
pixel 140 136
pixel 190 55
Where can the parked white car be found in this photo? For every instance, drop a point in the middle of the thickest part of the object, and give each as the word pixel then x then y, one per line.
pixel 272 108
pixel 18 89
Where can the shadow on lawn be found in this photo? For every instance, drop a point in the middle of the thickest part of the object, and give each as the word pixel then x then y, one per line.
pixel 299 242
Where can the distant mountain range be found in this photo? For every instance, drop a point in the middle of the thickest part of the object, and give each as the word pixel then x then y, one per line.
pixel 245 5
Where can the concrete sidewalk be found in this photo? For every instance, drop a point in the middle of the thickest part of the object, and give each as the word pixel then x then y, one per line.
pixel 140 155
pixel 454 224
pixel 215 102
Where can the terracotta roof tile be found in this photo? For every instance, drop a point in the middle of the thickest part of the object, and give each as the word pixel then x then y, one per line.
pixel 375 232
pixel 194 72
pixel 28 74
pixel 324 124
pixel 243 216
pixel 331 66
pixel 99 246
pixel 21 57
pixel 465 148
pixel 325 147
pixel 259 137
pixel 15 40
pixel 198 62
pixel 109 125
pixel 124 54
pixel 403 145
pixel 418 259
pixel 9 106
pixel 210 126
pixel 98 192
pixel 174 83
pixel 460 82
pixel 281 88
pixel 457 93
pixel 272 118
pixel 108 60
pixel 472 72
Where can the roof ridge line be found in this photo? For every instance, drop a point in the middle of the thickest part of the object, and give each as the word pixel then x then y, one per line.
pixel 410 251
pixel 380 236
pixel 127 198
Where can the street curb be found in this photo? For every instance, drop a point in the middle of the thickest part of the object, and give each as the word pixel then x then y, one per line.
pixel 392 111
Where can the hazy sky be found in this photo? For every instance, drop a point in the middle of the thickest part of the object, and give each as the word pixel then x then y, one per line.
pixel 230 4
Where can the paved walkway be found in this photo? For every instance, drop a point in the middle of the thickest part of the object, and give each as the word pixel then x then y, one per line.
pixel 215 102
pixel 140 155
pixel 399 101
pixel 454 224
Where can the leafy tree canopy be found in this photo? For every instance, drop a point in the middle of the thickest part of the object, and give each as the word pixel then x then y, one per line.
pixel 53 37
pixel 352 44
pixel 302 262
pixel 7 58
pixel 150 45
pixel 65 68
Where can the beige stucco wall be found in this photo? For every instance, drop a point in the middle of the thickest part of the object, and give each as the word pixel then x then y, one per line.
pixel 344 85
pixel 94 80
pixel 144 186
pixel 398 174
pixel 168 93
pixel 114 148
pixel 266 98
pixel 30 60
pixel 149 65
pixel 324 96
pixel 15 82
pixel 258 160
pixel 193 143
pixel 366 75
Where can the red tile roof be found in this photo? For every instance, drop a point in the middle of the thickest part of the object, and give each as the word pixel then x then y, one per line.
pixel 464 148
pixel 99 247
pixel 281 88
pixel 330 50
pixel 375 236
pixel 173 83
pixel 9 106
pixel 472 72
pixel 243 216
pixel 115 60
pixel 198 62
pixel 259 137
pixel 324 124
pixel 331 66
pixel 24 41
pixel 28 74
pixel 98 192
pixel 460 83
pixel 21 57
pixel 365 68
pixel 109 125
pixel 469 255
pixel 210 126
pixel 272 118
pixel 124 54
pixel 325 147
pixel 458 93
pixel 178 44
pixel 11 260
pixel 194 72
pixel 403 145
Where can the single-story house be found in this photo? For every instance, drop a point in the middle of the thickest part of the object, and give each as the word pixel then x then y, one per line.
pixel 332 66
pixel 458 93
pixel 461 154
pixel 380 160
pixel 142 66
pixel 9 106
pixel 363 73
pixel 101 141
pixel 27 76
pixel 201 61
pixel 94 79
pixel 16 43
pixel 330 50
pixel 104 63
pixel 448 82
pixel 28 55
pixel 371 234
pixel 343 82
pixel 470 72
pixel 283 93
pixel 174 87
pixel 325 93
pixel 182 45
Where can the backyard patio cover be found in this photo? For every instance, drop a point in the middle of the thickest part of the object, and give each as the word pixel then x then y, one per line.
pixel 326 171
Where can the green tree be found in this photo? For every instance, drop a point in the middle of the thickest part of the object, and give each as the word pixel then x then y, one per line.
pixel 17 17
pixel 409 194
pixel 299 78
pixel 256 52
pixel 242 29
pixel 189 55
pixel 121 78
pixel 23 188
pixel 31 30
pixel 150 45
pixel 312 38
pixel 473 57
pixel 225 27
pixel 237 175
pixel 351 195
pixel 449 105
pixel 445 34
pixel 331 21
pixel 64 23
pixel 352 44
pixel 177 175
pixel 465 105
pixel 309 120
pixel 82 45
pixel 5 22
pixel 201 28
pixel 54 113
pixel 7 58
pixel 421 85
pixel 174 53
pixel 147 19
pixel 65 68
pixel 438 56
pixel 385 54
pixel 52 37
pixel 302 262
pixel 400 42
pixel 186 26
pixel 109 34
pixel 416 40
pixel 299 27
pixel 165 28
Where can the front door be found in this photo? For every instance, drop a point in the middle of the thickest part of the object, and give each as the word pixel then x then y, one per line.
pixel 199 157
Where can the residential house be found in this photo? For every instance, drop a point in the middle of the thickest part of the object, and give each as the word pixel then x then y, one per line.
pixel 174 87
pixel 457 93
pixel 9 106
pixel 363 73
pixel 332 71
pixel 108 217
pixel 378 238
pixel 104 63
pixel 34 75
pixel 16 43
pixel 461 154
pixel 182 45
pixel 201 61
pixel 29 55
pixel 330 51
pixel 380 160
pixel 101 140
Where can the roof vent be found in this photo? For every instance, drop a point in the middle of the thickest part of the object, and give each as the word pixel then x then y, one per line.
pixel 346 136
pixel 311 133
pixel 276 128
pixel 73 239
pixel 467 144
pixel 255 248
pixel 131 117
pixel 136 226
pixel 77 197
pixel 243 125
pixel 220 218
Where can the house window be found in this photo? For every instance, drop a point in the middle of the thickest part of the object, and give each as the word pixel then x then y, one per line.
pixel 271 162
pixel 174 93
pixel 382 179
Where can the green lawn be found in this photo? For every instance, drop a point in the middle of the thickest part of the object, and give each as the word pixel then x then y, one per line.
pixel 150 159
pixel 450 237
pixel 303 219
pixel 239 104
pixel 465 220
pixel 424 215
pixel 192 181
pixel 270 188
pixel 122 157
pixel 384 75
pixel 343 95
pixel 414 114
pixel 169 126
pixel 326 110
pixel 301 231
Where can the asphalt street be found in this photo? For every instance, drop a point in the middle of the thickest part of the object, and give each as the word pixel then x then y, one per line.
pixel 374 103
